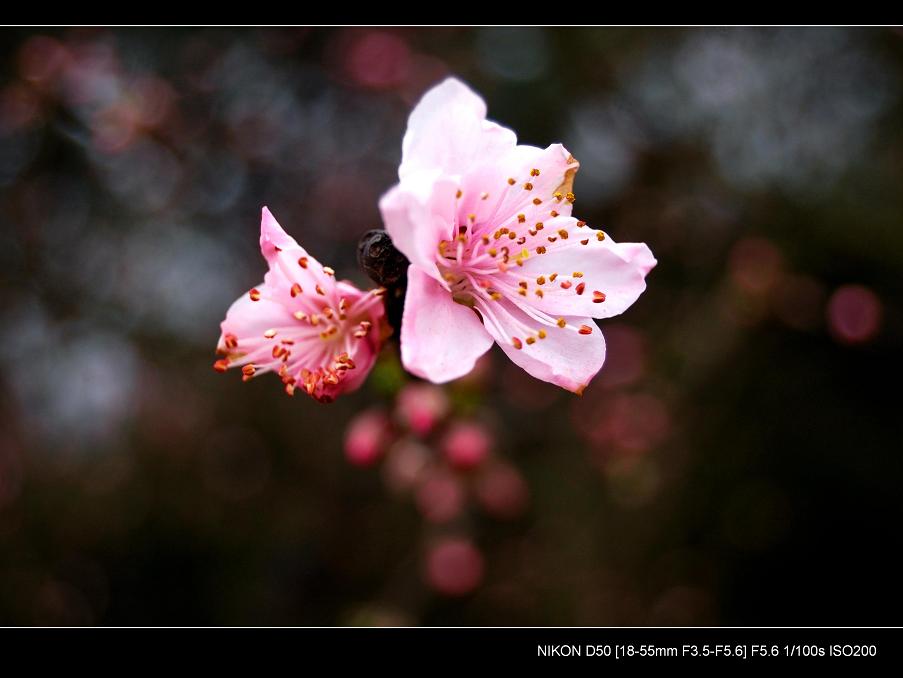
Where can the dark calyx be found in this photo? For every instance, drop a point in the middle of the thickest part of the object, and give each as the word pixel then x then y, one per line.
pixel 387 267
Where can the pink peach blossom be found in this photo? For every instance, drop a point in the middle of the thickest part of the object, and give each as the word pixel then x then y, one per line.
pixel 495 253
pixel 318 334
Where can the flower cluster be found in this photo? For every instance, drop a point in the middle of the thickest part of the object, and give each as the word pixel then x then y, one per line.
pixel 495 257
pixel 449 466
pixel 442 459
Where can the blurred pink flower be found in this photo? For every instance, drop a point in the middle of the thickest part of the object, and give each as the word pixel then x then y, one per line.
pixel 316 333
pixel 495 253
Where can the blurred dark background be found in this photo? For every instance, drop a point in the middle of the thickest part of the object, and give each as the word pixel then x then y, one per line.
pixel 736 462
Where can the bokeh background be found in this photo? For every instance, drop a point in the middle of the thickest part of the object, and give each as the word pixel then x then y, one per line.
pixel 736 462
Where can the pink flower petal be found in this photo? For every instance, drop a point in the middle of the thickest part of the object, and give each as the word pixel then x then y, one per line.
pixel 568 356
pixel 272 235
pixel 290 263
pixel 448 130
pixel 417 214
pixel 248 320
pixel 440 339
pixel 599 279
pixel 498 192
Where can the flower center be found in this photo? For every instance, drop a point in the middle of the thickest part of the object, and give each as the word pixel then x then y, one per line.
pixel 481 266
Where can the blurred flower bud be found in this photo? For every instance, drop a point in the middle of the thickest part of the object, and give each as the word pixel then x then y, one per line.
pixel 502 491
pixel 405 464
pixel 440 498
pixel 454 566
pixel 466 445
pixel 854 314
pixel 366 438
pixel 421 406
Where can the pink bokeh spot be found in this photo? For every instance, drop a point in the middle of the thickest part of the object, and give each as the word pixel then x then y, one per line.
pixel 854 314
pixel 378 60
pixel 454 566
pixel 496 256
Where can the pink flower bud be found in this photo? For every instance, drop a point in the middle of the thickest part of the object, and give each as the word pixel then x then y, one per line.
pixel 406 464
pixel 466 445
pixel 366 438
pixel 441 498
pixel 454 566
pixel 502 492
pixel 421 406
pixel 854 314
